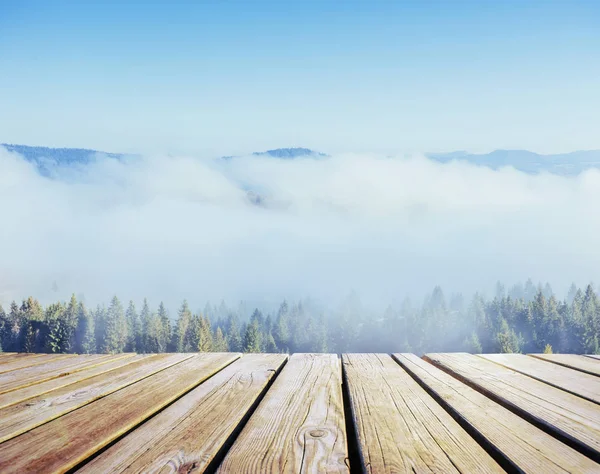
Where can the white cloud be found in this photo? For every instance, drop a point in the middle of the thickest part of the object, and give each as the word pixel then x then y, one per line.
pixel 170 228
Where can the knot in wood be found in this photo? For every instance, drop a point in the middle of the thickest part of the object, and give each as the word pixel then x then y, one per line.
pixel 317 433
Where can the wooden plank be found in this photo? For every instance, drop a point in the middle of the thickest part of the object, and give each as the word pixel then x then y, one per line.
pixel 573 361
pixel 299 425
pixel 518 445
pixel 400 427
pixel 24 416
pixel 583 385
pixel 572 419
pixel 57 368
pixel 10 356
pixel 25 393
pixel 188 435
pixel 34 359
pixel 66 442
pixel 593 356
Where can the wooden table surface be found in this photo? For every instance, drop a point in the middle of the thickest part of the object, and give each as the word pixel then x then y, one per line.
pixel 304 413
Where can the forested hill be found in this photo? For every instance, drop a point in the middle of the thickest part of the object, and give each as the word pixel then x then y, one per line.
pixel 47 159
pixel 523 319
pixel 568 164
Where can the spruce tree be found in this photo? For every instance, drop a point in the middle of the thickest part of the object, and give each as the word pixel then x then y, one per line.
pixel 184 318
pixel 13 329
pixel 134 329
pixel 145 328
pixel 100 327
pixel 252 342
pixel 205 343
pixel 281 332
pixel 507 340
pixel 165 338
pixel 115 334
pixel 234 338
pixel 59 332
pixel 269 344
pixel 154 340
pixel 33 331
pixel 70 316
pixel 591 320
pixel 472 344
pixel 220 344
pixel 85 334
pixel 191 340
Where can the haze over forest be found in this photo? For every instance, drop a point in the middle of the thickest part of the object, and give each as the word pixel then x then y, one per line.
pixel 260 229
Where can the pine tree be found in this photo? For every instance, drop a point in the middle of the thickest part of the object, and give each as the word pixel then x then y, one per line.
pixel 154 339
pixel 33 332
pixel 134 329
pixel 234 338
pixel 269 344
pixel 70 316
pixel 85 339
pixel 59 333
pixel 281 331
pixel 205 343
pixel 191 340
pixel 115 335
pixel 252 342
pixel 507 340
pixel 12 329
pixel 144 327
pixel 184 319
pixel 220 344
pixel 165 329
pixel 100 327
pixel 472 344
pixel 591 320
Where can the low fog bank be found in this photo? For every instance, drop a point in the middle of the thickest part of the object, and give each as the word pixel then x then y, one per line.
pixel 261 229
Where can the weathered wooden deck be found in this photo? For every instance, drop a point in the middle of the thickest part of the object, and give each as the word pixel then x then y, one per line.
pixel 267 413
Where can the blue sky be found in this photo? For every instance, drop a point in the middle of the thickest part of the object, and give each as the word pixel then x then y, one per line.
pixel 358 76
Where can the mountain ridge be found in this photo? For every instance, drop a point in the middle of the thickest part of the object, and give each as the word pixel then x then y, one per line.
pixel 567 164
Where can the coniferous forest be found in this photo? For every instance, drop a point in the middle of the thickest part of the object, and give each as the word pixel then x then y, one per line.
pixel 526 318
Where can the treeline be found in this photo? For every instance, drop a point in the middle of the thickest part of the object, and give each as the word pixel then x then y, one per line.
pixel 526 318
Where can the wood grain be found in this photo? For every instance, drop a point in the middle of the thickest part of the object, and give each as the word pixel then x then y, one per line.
pixel 9 356
pixel 187 436
pixel 573 361
pixel 299 426
pixel 25 393
pixel 519 446
pixel 569 417
pixel 400 427
pixel 57 368
pixel 583 385
pixel 24 416
pixel 67 441
pixel 33 359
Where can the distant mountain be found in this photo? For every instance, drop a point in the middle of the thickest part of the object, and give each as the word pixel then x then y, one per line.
pixel 567 164
pixel 287 153
pixel 290 153
pixel 47 158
